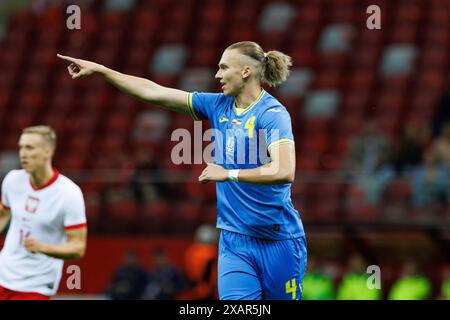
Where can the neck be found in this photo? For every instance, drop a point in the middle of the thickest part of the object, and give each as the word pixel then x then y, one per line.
pixel 42 176
pixel 248 95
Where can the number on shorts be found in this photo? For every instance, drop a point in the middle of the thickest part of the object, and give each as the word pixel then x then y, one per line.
pixel 291 287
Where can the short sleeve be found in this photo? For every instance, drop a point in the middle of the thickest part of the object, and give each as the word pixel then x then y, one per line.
pixel 4 194
pixel 203 105
pixel 277 125
pixel 75 211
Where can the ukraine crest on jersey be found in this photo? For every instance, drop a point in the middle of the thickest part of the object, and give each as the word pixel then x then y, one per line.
pixel 242 138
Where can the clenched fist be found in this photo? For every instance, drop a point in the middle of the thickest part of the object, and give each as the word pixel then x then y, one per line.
pixel 213 172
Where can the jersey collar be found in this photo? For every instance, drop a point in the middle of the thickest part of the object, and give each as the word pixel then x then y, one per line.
pixel 49 182
pixel 254 103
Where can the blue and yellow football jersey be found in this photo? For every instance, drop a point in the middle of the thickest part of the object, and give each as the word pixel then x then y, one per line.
pixel 242 139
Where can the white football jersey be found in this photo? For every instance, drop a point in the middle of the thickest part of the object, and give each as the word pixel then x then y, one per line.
pixel 43 213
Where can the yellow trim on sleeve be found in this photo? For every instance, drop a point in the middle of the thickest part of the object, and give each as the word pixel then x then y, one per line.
pixel 191 108
pixel 280 141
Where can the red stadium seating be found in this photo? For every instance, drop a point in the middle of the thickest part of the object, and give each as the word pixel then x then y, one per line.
pixel 396 200
pixel 185 217
pixel 154 217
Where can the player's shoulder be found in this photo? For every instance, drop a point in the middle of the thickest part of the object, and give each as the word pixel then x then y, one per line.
pixel 221 99
pixel 272 107
pixel 68 184
pixel 215 97
pixel 272 104
pixel 16 176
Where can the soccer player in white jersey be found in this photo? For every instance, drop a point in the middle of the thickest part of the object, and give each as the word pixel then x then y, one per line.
pixel 47 219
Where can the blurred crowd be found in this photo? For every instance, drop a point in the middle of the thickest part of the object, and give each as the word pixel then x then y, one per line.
pixel 350 278
pixel 164 281
pixel 353 280
pixel 417 156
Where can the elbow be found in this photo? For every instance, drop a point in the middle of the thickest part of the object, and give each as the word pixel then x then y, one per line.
pixel 286 176
pixel 75 256
pixel 153 94
pixel 79 254
pixel 290 177
pixel 147 95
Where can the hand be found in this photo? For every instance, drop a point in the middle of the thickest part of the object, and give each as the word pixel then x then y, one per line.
pixel 32 245
pixel 213 172
pixel 81 68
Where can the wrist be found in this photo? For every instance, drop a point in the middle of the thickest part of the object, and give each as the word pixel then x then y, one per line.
pixel 41 248
pixel 101 70
pixel 233 175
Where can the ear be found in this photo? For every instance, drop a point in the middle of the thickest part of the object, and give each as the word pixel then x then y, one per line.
pixel 50 151
pixel 246 72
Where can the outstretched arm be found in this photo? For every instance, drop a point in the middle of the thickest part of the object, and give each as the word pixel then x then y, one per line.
pixel 140 88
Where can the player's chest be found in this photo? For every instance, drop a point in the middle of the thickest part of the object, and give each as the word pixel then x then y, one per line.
pixel 244 126
pixel 36 208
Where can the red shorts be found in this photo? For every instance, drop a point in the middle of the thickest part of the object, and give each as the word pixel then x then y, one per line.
pixel 6 294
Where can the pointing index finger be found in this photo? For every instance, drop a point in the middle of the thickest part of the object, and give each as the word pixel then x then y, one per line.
pixel 66 58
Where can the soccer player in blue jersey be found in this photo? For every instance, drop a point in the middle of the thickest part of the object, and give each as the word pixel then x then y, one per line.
pixel 262 247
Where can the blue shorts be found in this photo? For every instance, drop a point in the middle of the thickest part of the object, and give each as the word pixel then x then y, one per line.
pixel 250 268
